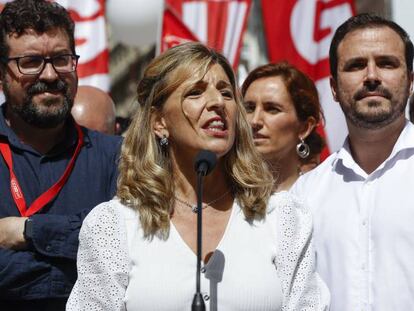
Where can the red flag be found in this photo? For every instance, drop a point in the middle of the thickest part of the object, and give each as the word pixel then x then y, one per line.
pixel 174 31
pixel 300 31
pixel 91 41
pixel 217 23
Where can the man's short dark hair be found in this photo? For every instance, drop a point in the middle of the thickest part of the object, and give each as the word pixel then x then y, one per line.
pixel 411 108
pixel 39 15
pixel 363 21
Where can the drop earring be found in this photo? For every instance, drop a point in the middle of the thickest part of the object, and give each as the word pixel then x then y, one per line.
pixel 302 149
pixel 164 141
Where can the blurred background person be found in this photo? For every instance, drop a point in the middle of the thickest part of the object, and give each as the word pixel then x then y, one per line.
pixel 94 109
pixel 137 252
pixel 121 125
pixel 283 110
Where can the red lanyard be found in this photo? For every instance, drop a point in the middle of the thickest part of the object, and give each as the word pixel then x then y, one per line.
pixel 48 195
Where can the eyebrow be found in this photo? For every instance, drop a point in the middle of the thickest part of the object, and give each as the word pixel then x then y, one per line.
pixel 364 59
pixel 392 58
pixel 355 59
pixel 248 102
pixel 58 52
pixel 268 103
pixel 223 84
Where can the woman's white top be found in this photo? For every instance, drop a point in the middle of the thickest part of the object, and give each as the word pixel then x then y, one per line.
pixel 260 265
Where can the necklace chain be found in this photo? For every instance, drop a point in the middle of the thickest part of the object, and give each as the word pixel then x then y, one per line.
pixel 194 206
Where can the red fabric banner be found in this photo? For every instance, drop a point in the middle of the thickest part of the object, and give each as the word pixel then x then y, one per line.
pixel 91 41
pixel 217 23
pixel 174 31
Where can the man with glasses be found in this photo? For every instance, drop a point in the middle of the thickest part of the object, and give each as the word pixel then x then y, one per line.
pixel 52 171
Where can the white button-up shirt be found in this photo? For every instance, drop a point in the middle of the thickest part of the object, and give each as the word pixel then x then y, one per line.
pixel 364 228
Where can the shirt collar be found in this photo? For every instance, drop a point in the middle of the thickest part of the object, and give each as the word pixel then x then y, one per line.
pixel 405 141
pixel 69 142
pixel 6 131
pixel 71 138
pixel 344 156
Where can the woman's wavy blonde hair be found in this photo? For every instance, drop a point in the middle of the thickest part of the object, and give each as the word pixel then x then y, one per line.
pixel 145 181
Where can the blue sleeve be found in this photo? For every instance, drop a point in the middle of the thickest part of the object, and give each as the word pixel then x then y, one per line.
pixel 48 267
pixel 57 235
pixel 114 172
pixel 20 272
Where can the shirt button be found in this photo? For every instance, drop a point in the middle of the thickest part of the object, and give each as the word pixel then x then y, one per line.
pixel 48 248
pixel 203 269
pixel 364 222
pixel 206 297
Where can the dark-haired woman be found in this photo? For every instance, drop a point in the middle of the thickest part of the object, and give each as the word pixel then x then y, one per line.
pixel 283 110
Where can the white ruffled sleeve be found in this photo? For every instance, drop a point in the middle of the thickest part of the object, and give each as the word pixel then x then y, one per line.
pixel 302 287
pixel 102 261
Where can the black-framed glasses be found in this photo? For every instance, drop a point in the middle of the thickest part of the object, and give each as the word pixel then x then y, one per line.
pixel 34 64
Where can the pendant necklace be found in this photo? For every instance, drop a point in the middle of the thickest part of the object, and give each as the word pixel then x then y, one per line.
pixel 194 207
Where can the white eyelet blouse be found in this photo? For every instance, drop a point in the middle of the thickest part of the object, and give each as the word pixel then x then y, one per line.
pixel 261 265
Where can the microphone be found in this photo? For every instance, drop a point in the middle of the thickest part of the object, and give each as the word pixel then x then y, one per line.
pixel 205 162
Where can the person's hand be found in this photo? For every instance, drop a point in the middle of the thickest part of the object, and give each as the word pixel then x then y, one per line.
pixel 11 233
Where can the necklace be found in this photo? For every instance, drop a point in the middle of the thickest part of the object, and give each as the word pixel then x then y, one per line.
pixel 194 207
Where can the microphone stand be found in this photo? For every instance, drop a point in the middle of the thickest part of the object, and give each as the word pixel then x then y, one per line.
pixel 204 164
pixel 198 300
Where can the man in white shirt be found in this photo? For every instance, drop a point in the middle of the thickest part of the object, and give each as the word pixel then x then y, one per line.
pixel 361 196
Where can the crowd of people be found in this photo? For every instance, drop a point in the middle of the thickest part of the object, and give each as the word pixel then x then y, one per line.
pixel 93 221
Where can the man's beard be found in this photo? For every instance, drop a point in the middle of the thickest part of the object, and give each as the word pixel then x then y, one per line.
pixel 374 119
pixel 34 115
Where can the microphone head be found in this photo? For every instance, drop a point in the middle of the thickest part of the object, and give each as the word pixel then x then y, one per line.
pixel 205 162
